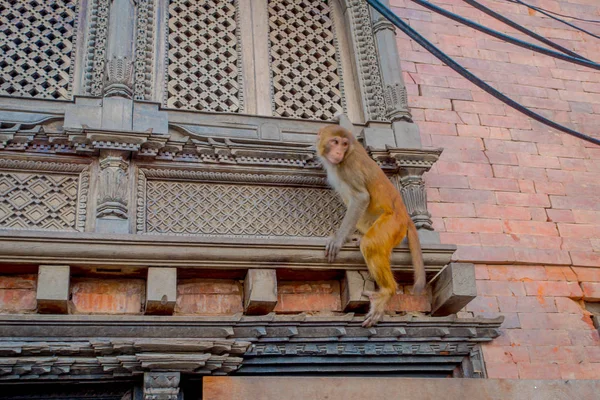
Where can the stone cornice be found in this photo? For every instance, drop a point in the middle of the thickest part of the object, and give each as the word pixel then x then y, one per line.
pixel 22 246
pixel 101 347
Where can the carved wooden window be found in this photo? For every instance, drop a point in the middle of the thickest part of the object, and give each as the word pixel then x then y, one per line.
pixel 37 45
pixel 304 61
pixel 203 56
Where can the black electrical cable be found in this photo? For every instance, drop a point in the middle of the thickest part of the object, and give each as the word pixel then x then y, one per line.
pixel 554 18
pixel 594 21
pixel 393 18
pixel 521 28
pixel 507 38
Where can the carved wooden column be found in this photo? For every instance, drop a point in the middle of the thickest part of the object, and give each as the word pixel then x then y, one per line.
pixel 113 192
pixel 161 385
pixel 391 72
pixel 120 49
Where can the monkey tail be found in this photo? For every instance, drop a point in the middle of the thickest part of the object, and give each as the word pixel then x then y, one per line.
pixel 417 258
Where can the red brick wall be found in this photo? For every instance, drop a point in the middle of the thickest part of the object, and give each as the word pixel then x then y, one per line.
pixel 508 190
pixel 18 293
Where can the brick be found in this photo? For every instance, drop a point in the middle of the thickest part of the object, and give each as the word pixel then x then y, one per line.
pixel 503 212
pixel 475 225
pixel 522 199
pixel 585 231
pixel 468 239
pixel 495 157
pixel 526 186
pixel 557 150
pixel 526 304
pixel 591 291
pixel 477 254
pixel 493 184
pixel 559 274
pixel 458 142
pixel 501 370
pixel 478 108
pixel 500 288
pixel 553 288
pixel 462 168
pixel 577 245
pixel 586 216
pixel 509 171
pixel 18 293
pixel 505 121
pixel 585 189
pixel 572 164
pixel 450 117
pixel 589 337
pixel 438 128
pixel 530 228
pixel 298 296
pixel 466 195
pixel 446 181
pixel 408 302
pixel 540 337
pixel 506 146
pixel 580 371
pixel 531 160
pixel 445 93
pixel 483 304
pixel 587 274
pixel 468 118
pixel 429 103
pixel 548 104
pixel 452 210
pixel 505 354
pixel 536 136
pixel 570 306
pixel 440 70
pixel 542 187
pixel 107 296
pixel 464 156
pixel 473 131
pixel 575 203
pixel 209 296
pixel 592 353
pixel 557 354
pixel 517 273
pixel 554 321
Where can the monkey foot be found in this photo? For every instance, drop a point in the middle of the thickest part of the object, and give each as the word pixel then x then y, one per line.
pixel 372 318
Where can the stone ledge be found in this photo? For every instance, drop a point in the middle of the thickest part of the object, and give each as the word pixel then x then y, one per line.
pixel 35 247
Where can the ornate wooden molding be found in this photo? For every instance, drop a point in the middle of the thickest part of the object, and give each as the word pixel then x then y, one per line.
pixel 196 252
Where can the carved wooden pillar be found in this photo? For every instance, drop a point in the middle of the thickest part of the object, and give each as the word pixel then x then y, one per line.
pixel 161 385
pixel 391 72
pixel 415 196
pixel 120 49
pixel 113 192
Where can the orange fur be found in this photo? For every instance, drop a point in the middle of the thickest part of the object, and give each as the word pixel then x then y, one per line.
pixel 384 222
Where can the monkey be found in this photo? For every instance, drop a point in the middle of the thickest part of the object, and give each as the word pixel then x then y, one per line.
pixel 375 208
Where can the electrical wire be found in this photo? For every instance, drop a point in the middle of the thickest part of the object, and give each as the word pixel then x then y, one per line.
pixel 554 18
pixel 594 21
pixel 507 38
pixel 394 19
pixel 521 28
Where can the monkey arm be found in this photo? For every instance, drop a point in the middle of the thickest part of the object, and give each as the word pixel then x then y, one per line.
pixel 356 208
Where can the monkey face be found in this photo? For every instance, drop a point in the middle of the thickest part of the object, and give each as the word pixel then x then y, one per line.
pixel 336 149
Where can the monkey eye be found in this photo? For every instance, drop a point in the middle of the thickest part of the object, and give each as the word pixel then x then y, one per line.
pixel 335 141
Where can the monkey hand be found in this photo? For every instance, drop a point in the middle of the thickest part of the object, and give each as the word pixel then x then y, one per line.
pixel 333 248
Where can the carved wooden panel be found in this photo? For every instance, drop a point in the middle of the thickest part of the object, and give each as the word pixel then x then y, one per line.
pixel 41 200
pixel 194 208
pixel 204 56
pixel 305 68
pixel 37 44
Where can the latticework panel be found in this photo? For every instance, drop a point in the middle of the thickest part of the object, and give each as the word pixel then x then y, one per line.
pixel 203 56
pixel 38 201
pixel 251 210
pixel 305 70
pixel 36 47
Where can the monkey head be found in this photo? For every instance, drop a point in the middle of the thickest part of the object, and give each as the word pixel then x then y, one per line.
pixel 334 143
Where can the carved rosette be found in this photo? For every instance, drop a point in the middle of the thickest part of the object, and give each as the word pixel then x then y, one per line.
pixel 161 385
pixel 112 185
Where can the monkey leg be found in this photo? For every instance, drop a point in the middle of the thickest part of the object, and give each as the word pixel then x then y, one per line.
pixel 376 247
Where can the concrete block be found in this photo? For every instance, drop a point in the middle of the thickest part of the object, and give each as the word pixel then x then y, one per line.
pixel 117 113
pixel 407 135
pixel 453 288
pixel 379 138
pixel 53 289
pixel 161 291
pixel 85 112
pixel 353 285
pixel 260 291
pixel 147 116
